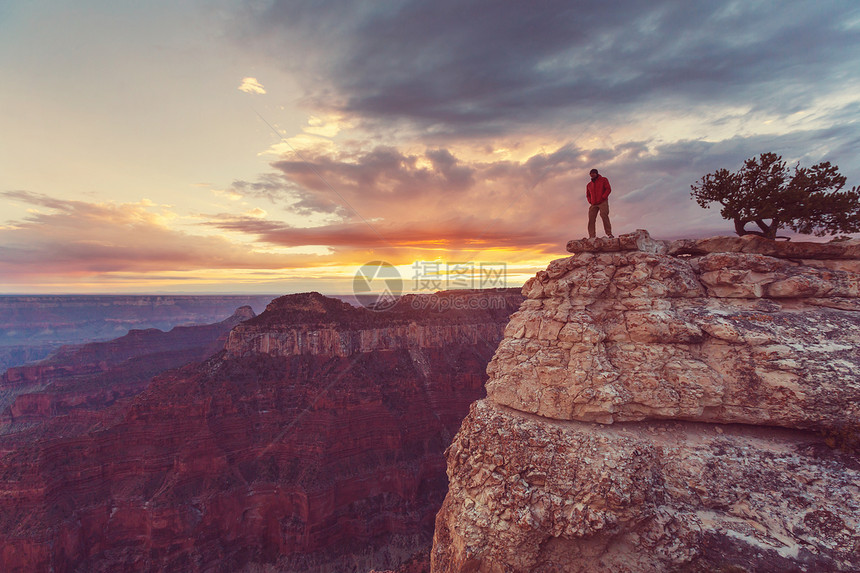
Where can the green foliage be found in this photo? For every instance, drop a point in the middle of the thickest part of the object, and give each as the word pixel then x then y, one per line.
pixel 807 200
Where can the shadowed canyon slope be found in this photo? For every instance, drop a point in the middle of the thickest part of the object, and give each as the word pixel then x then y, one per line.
pixel 90 377
pixel 312 442
pixel 667 407
pixel 33 326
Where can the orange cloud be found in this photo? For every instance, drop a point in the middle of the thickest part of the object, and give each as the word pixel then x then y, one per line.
pixel 63 237
pixel 455 235
pixel 396 198
pixel 439 199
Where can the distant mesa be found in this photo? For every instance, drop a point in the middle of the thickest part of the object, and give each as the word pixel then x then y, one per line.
pixel 95 375
pixel 34 326
pixel 243 313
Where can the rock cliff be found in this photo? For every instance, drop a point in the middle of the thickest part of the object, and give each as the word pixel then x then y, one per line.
pixel 661 406
pixel 313 442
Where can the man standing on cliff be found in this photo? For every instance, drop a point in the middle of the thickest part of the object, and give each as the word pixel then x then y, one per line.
pixel 597 192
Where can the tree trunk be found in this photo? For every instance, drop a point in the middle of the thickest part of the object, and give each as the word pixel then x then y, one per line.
pixel 767 231
pixel 740 229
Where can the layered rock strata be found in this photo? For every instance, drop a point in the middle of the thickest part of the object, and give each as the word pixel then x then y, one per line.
pixel 323 326
pixel 662 407
pixel 263 457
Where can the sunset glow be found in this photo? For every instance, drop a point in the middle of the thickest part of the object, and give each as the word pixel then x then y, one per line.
pixel 276 147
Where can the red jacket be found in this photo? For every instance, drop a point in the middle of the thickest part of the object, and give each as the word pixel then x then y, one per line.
pixel 598 191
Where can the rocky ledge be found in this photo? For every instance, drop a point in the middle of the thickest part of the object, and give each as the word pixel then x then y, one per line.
pixel 665 406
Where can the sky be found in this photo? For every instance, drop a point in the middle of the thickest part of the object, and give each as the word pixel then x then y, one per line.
pixel 277 146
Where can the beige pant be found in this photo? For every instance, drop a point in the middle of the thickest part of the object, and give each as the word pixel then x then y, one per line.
pixel 603 209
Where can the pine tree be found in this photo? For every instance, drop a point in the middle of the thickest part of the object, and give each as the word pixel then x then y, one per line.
pixel 765 191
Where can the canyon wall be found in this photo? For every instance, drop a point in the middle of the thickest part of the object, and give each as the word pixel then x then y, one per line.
pixel 654 406
pixel 312 442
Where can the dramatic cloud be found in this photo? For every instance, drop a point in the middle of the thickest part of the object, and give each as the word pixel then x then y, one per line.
pixel 396 189
pixel 74 237
pixel 511 104
pixel 414 203
pixel 387 199
pixel 479 67
pixel 453 235
pixel 403 129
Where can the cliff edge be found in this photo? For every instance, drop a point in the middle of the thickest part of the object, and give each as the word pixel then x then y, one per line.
pixel 661 406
